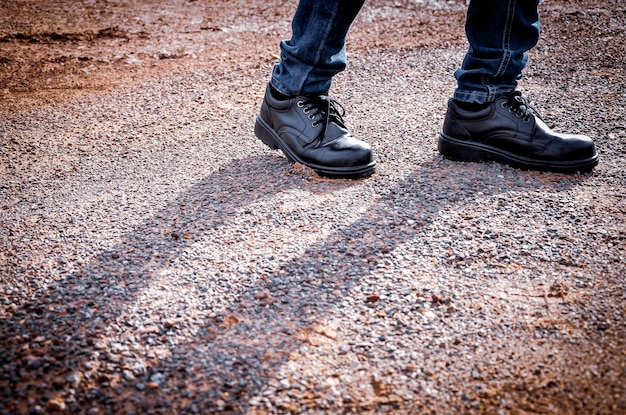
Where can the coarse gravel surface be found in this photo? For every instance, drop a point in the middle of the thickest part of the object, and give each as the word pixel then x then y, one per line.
pixel 157 258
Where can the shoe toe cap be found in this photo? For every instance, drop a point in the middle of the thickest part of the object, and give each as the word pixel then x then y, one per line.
pixel 346 151
pixel 571 147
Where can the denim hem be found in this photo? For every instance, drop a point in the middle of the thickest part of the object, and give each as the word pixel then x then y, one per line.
pixel 286 91
pixel 478 97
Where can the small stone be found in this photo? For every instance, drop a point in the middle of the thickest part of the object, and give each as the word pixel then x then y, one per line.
pixel 169 323
pixel 128 375
pixel 326 330
pixel 429 315
pixel 151 328
pixel 74 378
pixel 103 378
pixel 410 368
pixel 55 404
pixel 380 388
pixel 372 298
pixel 289 407
pixel 268 301
pixel 231 320
pixel 33 362
pixel 157 378
pixel 261 295
pixel 58 383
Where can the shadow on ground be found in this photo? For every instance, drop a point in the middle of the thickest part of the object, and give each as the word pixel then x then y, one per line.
pixel 205 351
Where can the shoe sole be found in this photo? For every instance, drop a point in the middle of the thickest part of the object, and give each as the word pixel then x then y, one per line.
pixel 460 150
pixel 269 137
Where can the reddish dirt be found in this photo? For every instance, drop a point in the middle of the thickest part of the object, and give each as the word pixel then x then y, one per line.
pixel 52 50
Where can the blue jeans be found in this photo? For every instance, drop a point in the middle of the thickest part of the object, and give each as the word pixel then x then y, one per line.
pixel 500 33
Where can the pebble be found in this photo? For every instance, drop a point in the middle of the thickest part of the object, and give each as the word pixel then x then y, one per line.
pixel 55 404
pixel 128 375
pixel 74 378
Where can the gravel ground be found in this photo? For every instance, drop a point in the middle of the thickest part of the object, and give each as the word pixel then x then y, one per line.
pixel 157 258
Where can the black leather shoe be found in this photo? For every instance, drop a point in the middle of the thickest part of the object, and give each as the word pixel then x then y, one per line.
pixel 510 131
pixel 310 131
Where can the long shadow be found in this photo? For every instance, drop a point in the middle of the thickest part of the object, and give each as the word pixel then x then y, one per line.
pixel 117 349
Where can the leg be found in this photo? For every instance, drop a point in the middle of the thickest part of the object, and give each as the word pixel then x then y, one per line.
pixel 316 51
pixel 487 119
pixel 296 115
pixel 500 34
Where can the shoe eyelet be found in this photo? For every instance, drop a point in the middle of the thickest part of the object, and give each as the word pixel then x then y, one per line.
pixel 315 124
pixel 526 120
pixel 511 110
pixel 306 110
pixel 300 104
pixel 504 105
pixel 311 116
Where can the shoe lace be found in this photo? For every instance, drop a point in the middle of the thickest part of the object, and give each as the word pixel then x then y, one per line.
pixel 520 106
pixel 322 109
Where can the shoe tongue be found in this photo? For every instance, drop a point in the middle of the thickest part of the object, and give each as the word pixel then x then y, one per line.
pixel 320 101
pixel 515 93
